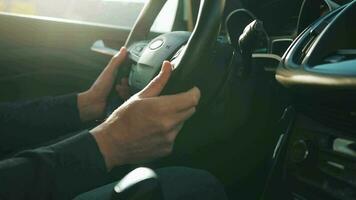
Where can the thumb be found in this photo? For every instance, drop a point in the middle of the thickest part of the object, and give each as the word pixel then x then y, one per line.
pixel 155 87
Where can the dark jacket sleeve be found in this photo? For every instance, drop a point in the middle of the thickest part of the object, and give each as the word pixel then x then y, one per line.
pixel 24 124
pixel 59 171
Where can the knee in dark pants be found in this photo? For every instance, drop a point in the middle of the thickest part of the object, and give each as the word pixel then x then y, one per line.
pixel 180 183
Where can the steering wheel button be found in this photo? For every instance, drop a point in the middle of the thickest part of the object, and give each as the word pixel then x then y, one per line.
pixel 139 48
pixel 156 44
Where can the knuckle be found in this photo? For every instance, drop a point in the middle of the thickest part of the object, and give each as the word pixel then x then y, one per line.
pixel 160 109
pixel 167 150
pixel 115 59
pixel 139 95
pixel 195 100
pixel 194 109
pixel 170 138
pixel 167 138
pixel 135 102
pixel 166 125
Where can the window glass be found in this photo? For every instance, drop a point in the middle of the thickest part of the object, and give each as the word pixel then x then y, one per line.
pixel 111 12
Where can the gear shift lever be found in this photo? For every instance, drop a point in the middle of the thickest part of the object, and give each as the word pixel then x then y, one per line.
pixel 140 184
pixel 249 40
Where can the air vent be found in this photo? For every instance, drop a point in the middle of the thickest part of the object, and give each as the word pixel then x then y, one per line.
pixel 306 48
pixel 313 34
pixel 326 161
pixel 341 119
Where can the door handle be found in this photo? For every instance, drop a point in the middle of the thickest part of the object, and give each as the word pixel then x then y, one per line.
pixel 100 47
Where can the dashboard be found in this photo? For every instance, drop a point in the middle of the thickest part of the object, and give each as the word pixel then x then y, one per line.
pixel 281 30
pixel 315 157
pixel 323 55
pixel 311 10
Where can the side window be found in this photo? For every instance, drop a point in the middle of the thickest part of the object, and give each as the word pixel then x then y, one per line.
pixel 122 13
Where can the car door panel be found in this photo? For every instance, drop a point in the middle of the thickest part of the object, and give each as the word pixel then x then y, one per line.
pixel 41 56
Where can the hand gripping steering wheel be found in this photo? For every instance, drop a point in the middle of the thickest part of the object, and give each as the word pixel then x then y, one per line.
pixel 189 52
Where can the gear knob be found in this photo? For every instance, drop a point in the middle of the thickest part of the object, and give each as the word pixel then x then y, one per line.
pixel 140 184
pixel 253 35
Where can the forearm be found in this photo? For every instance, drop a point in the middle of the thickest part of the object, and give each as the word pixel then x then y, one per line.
pixel 89 108
pixel 25 124
pixel 60 171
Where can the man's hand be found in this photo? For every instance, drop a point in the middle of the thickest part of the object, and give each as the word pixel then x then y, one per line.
pixel 92 103
pixel 145 127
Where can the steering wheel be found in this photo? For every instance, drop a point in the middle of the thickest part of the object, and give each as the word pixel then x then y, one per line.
pixel 323 56
pixel 189 52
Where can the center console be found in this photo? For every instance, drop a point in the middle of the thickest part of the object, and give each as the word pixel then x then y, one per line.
pixel 316 155
pixel 315 158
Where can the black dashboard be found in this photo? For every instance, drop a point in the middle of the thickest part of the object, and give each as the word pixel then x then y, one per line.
pixel 314 49
pixel 323 55
pixel 310 11
pixel 316 154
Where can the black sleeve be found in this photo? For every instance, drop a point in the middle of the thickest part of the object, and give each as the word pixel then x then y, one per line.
pixel 59 171
pixel 24 124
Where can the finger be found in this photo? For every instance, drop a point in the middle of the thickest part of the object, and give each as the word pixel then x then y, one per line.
pixel 172 135
pixel 122 88
pixel 175 120
pixel 155 87
pixel 125 82
pixel 123 85
pixel 123 91
pixel 119 58
pixel 183 116
pixel 107 77
pixel 180 102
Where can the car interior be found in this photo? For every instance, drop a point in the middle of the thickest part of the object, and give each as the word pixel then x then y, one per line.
pixel 277 117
